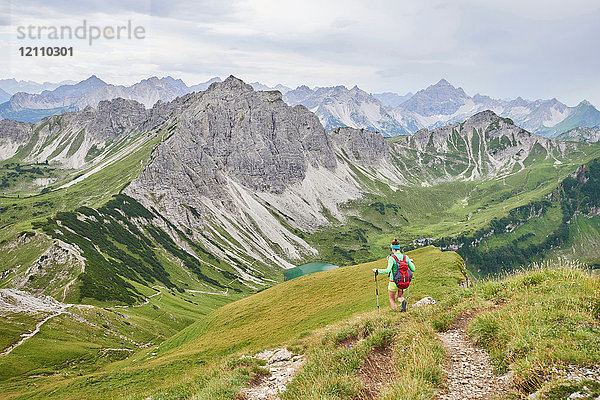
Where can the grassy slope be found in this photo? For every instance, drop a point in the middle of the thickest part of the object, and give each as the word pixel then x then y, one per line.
pixel 20 211
pixel 284 310
pixel 532 322
pixel 75 344
pixel 584 244
pixel 268 318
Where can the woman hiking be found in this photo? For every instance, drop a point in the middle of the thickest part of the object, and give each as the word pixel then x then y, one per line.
pixel 394 261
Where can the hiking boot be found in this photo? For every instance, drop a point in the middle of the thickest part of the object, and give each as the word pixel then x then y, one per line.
pixel 403 306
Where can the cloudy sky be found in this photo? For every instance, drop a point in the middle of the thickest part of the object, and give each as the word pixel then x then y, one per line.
pixel 509 48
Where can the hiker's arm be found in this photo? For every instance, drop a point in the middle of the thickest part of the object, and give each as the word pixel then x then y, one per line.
pixel 388 269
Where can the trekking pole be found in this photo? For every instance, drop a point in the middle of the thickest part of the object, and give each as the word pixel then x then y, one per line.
pixel 377 292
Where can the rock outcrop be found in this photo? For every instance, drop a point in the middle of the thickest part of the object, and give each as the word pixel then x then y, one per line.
pixel 360 146
pixel 232 155
pixel 483 146
pixel 13 135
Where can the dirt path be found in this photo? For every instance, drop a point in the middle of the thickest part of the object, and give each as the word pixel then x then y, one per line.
pixel 375 372
pixel 26 336
pixel 470 374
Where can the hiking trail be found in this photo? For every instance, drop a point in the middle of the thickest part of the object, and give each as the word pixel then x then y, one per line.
pixel 375 372
pixel 470 374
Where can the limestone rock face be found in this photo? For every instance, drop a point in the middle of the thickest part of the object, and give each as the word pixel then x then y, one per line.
pixel 232 132
pixel 12 135
pixel 232 155
pixel 115 117
pixel 361 146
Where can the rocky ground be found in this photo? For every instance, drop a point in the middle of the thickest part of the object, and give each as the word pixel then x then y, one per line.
pixel 470 374
pixel 282 365
pixel 469 371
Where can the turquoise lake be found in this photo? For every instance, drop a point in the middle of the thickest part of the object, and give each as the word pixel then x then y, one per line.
pixel 305 269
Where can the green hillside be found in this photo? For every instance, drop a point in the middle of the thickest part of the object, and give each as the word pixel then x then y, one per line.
pixel 562 223
pixel 274 316
pixel 532 323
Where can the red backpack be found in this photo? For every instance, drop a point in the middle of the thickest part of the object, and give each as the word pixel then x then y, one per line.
pixel 402 274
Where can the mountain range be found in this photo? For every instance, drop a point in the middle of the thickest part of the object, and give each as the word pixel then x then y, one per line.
pixel 389 113
pixel 338 106
pixel 12 86
pixel 436 106
pixel 28 107
pixel 231 174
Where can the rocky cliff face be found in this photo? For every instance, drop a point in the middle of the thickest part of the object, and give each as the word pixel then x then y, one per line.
pixel 254 138
pixel 483 146
pixel 74 139
pixel 241 159
pixel 13 135
pixel 362 147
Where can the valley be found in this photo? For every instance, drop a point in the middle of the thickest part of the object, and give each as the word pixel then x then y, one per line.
pixel 152 229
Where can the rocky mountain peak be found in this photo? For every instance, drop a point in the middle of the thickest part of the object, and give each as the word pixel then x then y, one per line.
pixel 93 80
pixel 439 99
pixel 232 85
pixel 486 116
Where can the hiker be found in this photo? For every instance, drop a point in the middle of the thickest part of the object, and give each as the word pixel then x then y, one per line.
pixel 396 261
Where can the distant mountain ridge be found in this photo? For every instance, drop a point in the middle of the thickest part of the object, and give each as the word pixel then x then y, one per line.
pixel 581 134
pixel 389 113
pixel 12 86
pixel 442 103
pixel 62 96
pixel 338 107
pixel 392 100
pixel 4 96
pixel 27 107
pixel 433 107
pixel 259 86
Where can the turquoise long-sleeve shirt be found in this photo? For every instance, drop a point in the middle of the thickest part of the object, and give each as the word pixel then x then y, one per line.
pixel 392 262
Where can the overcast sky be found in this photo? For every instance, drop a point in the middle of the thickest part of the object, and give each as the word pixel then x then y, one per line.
pixel 502 48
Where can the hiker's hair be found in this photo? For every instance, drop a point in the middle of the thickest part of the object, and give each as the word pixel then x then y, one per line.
pixel 395 242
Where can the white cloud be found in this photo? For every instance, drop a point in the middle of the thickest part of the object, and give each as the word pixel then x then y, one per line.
pixel 504 49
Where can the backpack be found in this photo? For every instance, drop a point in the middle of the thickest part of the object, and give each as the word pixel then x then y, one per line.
pixel 403 274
